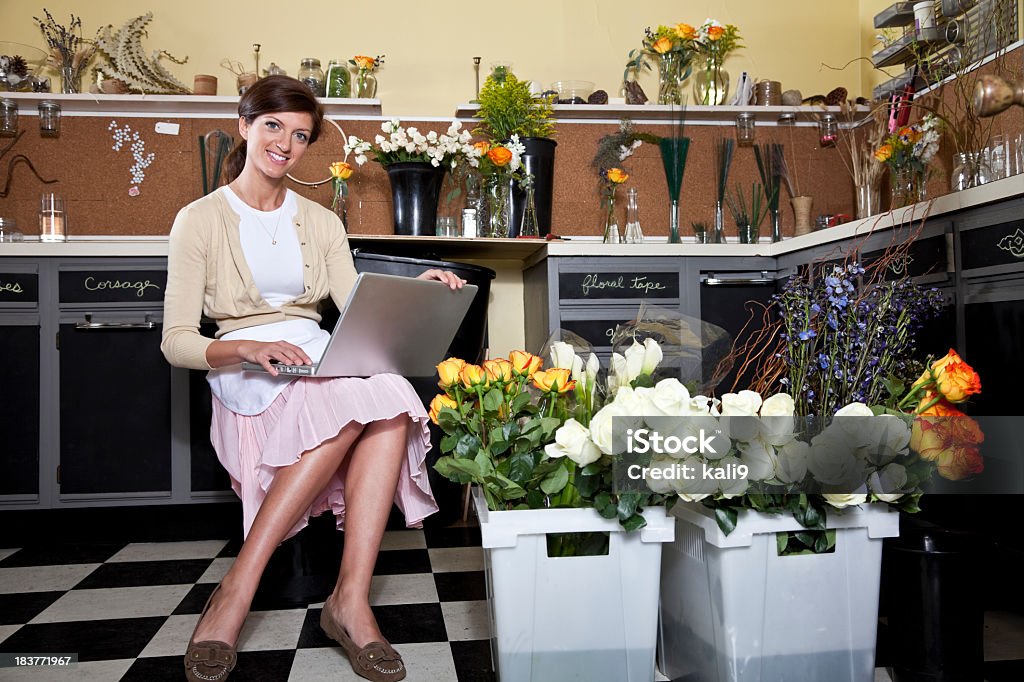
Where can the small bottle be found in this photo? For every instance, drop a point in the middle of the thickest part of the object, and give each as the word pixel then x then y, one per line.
pixel 312 75
pixel 745 130
pixel 8 118
pixel 49 118
pixel 470 214
pixel 337 79
pixel 634 234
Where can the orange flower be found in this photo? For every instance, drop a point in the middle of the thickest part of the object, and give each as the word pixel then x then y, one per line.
pixel 498 371
pixel 662 45
pixel 524 364
pixel 341 170
pixel 365 63
pixel 950 440
pixel 940 409
pixel 473 376
pixel 616 175
pixel 715 32
pixel 483 145
pixel 960 463
pixel 884 152
pixel 449 370
pixel 555 380
pixel 954 378
pixel 499 156
pixel 440 401
pixel 686 32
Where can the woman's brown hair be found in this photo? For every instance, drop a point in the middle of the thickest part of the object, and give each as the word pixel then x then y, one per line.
pixel 272 95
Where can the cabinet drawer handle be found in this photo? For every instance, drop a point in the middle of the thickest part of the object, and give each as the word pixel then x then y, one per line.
pixel 713 281
pixel 115 325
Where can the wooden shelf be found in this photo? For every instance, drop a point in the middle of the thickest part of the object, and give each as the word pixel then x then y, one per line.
pixel 897 14
pixel 176 106
pixel 660 113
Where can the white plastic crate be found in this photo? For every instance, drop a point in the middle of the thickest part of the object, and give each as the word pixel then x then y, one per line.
pixel 733 610
pixel 590 618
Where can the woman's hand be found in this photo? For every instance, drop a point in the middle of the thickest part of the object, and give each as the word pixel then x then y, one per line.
pixel 222 353
pixel 444 276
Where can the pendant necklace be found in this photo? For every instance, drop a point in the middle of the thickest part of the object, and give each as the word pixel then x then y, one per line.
pixel 277 225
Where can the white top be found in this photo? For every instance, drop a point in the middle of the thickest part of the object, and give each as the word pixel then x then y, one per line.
pixel 277 271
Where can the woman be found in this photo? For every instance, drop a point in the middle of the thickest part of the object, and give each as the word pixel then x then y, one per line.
pixel 257 258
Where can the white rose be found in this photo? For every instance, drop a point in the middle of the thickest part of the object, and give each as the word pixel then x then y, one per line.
pixel 652 356
pixel 696 487
pixel 734 486
pixel 833 462
pixel 634 360
pixel 563 355
pixel 840 500
pixel 601 430
pixel 791 466
pixel 777 419
pixel 760 460
pixel 700 404
pixel 572 440
pixel 664 482
pixel 744 403
pixel 888 482
pixel 887 439
pixel 741 428
pixel 778 405
pixel 669 398
pixel 617 373
pixel 854 410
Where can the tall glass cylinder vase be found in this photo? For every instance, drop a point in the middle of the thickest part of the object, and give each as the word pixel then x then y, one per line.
pixel 969 170
pixel 339 202
pixel 907 185
pixel 671 66
pixel 673 159
pixel 611 220
pixel 673 223
pixel 711 84
pixel 869 199
pixel 773 214
pixel 499 206
pixel 718 235
pixel 70 80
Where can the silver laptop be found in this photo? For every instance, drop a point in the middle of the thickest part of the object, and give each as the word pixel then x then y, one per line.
pixel 390 325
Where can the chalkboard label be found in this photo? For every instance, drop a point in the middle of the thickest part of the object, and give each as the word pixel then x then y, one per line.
pixel 19 287
pixel 1001 244
pixel 609 285
pixel 595 332
pixel 112 286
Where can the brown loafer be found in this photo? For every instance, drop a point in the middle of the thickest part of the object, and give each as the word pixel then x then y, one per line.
pixel 376 661
pixel 209 660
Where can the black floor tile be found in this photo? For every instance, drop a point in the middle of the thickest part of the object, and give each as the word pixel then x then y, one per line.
pixel 311 636
pixel 253 666
pixel 402 623
pixel 16 609
pixel 62 553
pixel 460 536
pixel 473 660
pixel 1004 671
pixel 159 669
pixel 461 586
pixel 142 573
pixel 231 549
pixel 402 561
pixel 195 600
pixel 94 640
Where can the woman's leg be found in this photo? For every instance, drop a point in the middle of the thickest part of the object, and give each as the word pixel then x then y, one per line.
pixel 294 489
pixel 371 478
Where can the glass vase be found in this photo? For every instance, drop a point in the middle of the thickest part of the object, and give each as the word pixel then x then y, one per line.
pixel 776 226
pixel 70 80
pixel 748 233
pixel 499 207
pixel 531 226
pixel 339 202
pixel 718 235
pixel 611 234
pixel 908 186
pixel 869 200
pixel 634 233
pixel 673 223
pixel 969 170
pixel 364 86
pixel 711 84
pixel 671 66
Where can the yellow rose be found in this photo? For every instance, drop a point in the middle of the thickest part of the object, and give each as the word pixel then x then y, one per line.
pixel 498 370
pixel 449 372
pixel 685 31
pixel 524 364
pixel 884 152
pixel 473 376
pixel 499 156
pixel 617 175
pixel 555 380
pixel 483 145
pixel 364 62
pixel 440 401
pixel 662 45
pixel 341 170
pixel 715 32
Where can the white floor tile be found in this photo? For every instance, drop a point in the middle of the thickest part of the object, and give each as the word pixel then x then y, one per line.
pixel 446 559
pixel 412 588
pixel 882 675
pixel 403 539
pixel 7 551
pixel 92 671
pixel 1004 636
pixel 267 630
pixel 172 637
pixel 317 665
pixel 7 630
pixel 110 603
pixel 428 661
pixel 215 572
pixel 164 551
pixel 43 578
pixel 466 620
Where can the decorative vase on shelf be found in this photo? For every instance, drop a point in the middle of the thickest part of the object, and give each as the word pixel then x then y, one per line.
pixel 908 186
pixel 634 233
pixel 530 227
pixel 748 233
pixel 339 202
pixel 773 215
pixel 337 79
pixel 717 235
pixel 673 159
pixel 969 170
pixel 364 86
pixel 611 222
pixel 415 191
pixel 711 84
pixel 671 67
pixel 802 215
pixel 538 161
pixel 869 200
pixel 499 206
pixel 70 80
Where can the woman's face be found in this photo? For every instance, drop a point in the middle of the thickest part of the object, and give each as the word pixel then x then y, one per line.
pixel 275 142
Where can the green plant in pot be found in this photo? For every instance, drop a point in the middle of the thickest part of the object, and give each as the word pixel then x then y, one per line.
pixel 508 108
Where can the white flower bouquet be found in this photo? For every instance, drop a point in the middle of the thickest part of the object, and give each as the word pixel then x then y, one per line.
pixel 399 144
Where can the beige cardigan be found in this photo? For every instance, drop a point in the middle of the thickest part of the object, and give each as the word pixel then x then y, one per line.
pixel 207 273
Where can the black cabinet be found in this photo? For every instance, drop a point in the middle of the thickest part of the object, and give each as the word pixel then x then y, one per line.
pixel 735 304
pixel 19 418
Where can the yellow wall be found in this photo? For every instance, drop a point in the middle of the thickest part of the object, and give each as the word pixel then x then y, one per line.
pixel 430 45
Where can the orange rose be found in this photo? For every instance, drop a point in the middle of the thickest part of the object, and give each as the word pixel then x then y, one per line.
pixel 364 62
pixel 715 32
pixel 954 378
pixel 441 401
pixel 950 441
pixel 884 152
pixel 498 370
pixel 555 380
pixel 473 376
pixel 617 175
pixel 662 45
pixel 483 145
pixel 499 156
pixel 961 462
pixel 940 409
pixel 685 31
pixel 341 170
pixel 524 364
pixel 449 370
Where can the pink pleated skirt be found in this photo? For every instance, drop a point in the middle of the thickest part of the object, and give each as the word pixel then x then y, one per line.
pixel 308 412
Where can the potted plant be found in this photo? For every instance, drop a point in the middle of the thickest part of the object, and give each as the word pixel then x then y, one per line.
pixel 507 108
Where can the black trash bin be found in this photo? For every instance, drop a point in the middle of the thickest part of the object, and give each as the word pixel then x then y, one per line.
pixel 936 613
pixel 468 344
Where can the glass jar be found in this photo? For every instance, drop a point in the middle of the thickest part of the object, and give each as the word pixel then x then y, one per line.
pixel 49 118
pixel 312 75
pixel 9 231
pixel 8 118
pixel 52 219
pixel 337 79
pixel 828 130
pixel 745 130
pixel 969 170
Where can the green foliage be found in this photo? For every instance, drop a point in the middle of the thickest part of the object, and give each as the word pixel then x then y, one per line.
pixel 507 108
